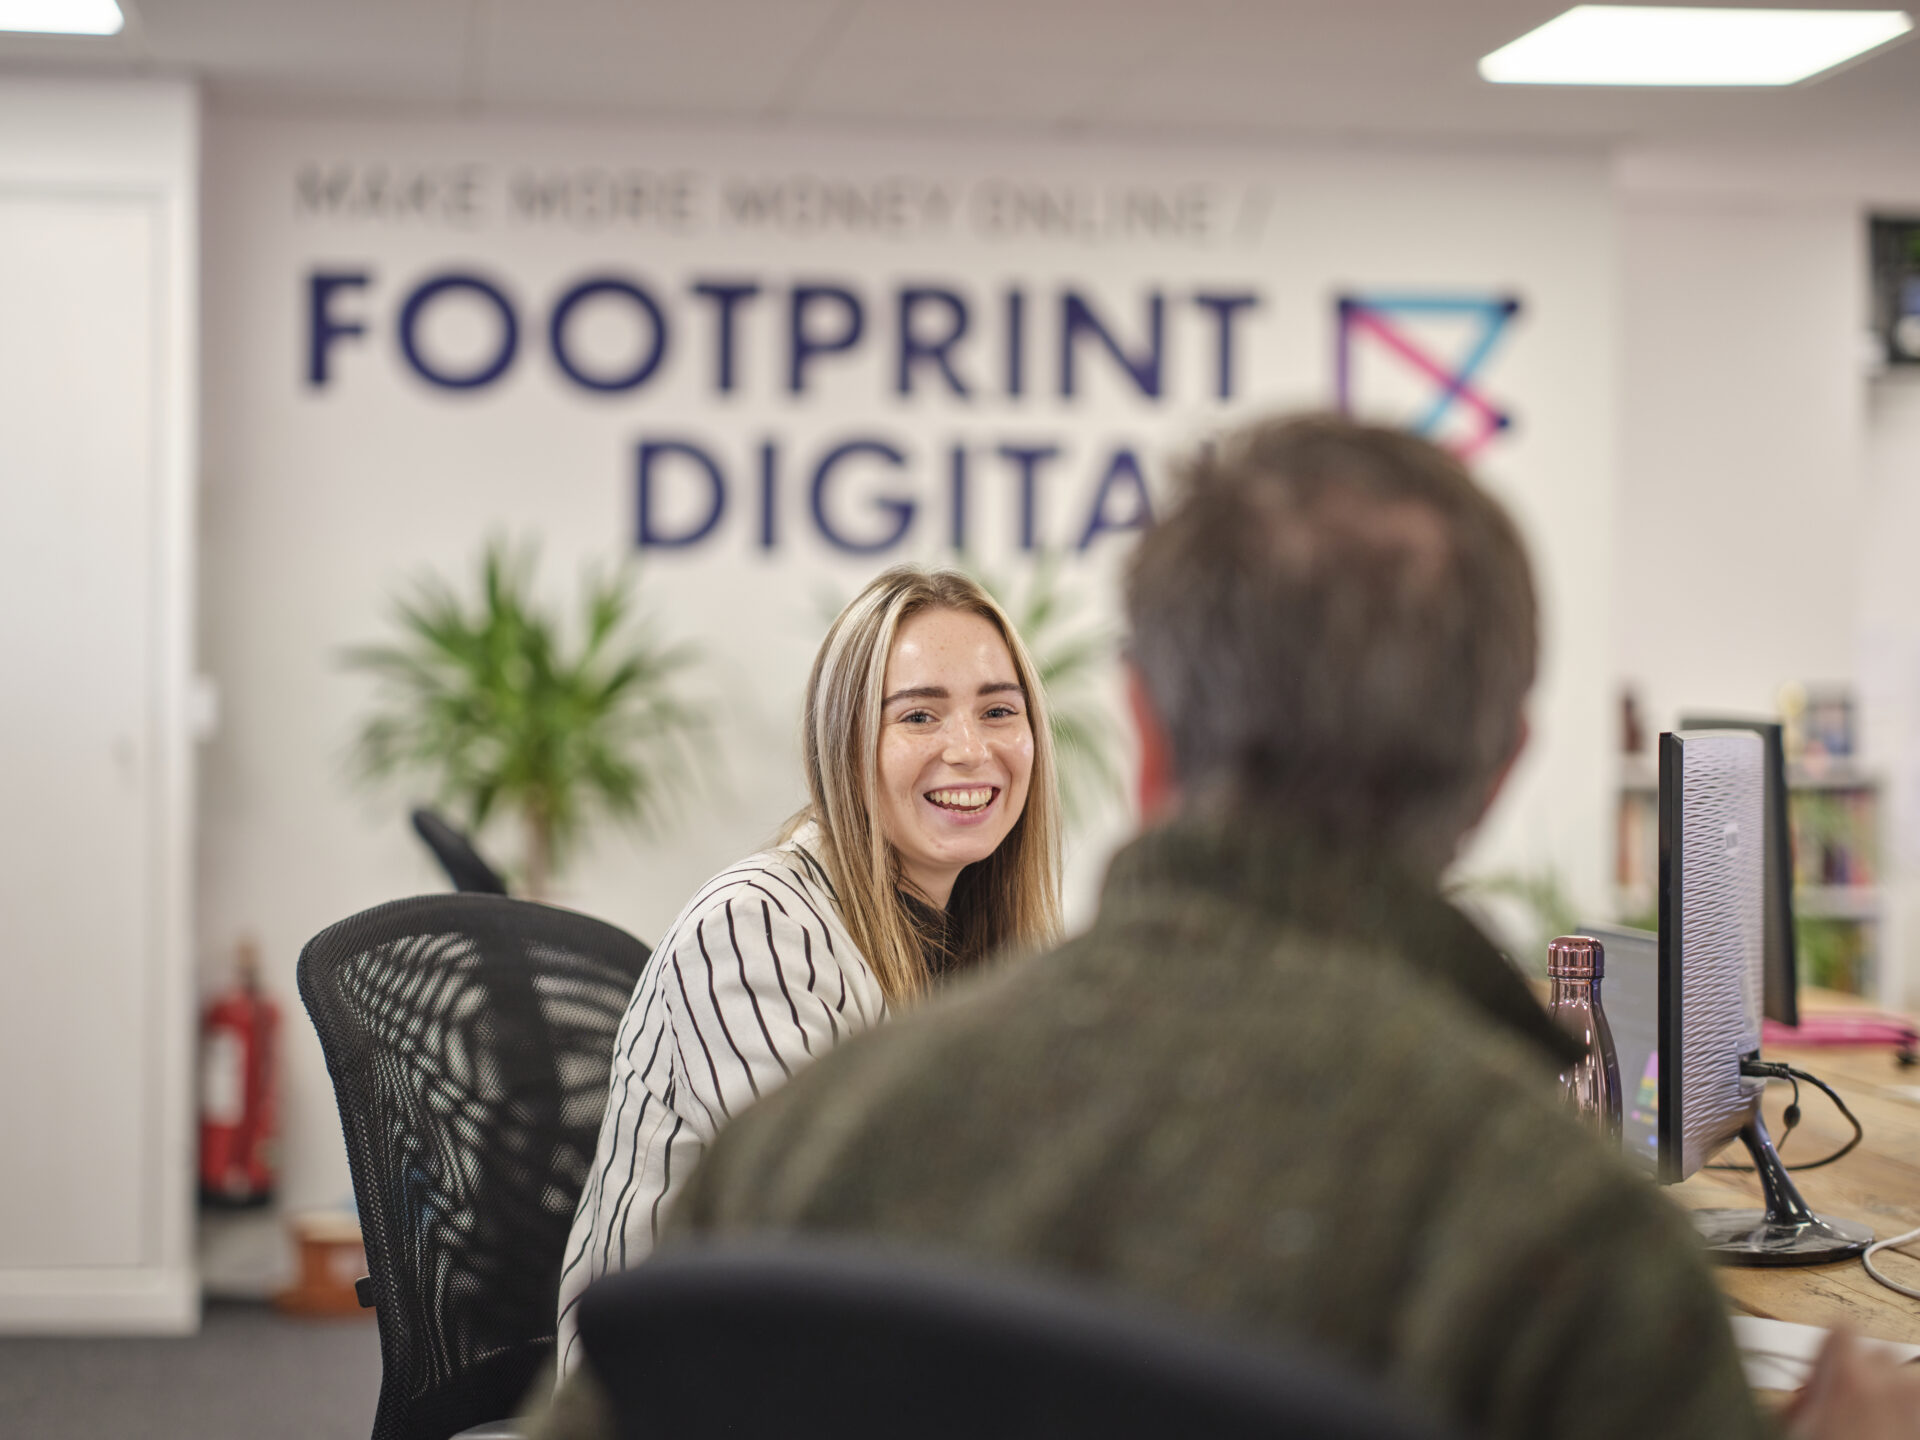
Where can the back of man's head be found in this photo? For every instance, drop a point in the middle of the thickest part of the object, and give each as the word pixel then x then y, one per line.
pixel 1337 627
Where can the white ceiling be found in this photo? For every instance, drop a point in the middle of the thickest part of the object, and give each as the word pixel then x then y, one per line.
pixel 1248 69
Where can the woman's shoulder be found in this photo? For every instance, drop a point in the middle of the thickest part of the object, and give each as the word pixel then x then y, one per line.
pixel 789 877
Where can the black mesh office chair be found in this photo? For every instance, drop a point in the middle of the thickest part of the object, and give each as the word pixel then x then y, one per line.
pixel 469 1039
pixel 455 852
pixel 801 1341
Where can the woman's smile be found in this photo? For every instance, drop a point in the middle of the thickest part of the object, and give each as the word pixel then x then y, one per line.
pixel 971 801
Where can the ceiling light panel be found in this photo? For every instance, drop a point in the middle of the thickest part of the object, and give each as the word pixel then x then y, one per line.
pixel 61 17
pixel 1690 46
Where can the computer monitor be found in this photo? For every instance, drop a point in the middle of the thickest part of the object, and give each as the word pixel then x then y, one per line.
pixel 1781 968
pixel 1712 940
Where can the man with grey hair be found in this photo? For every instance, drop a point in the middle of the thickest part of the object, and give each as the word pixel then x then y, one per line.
pixel 1280 1083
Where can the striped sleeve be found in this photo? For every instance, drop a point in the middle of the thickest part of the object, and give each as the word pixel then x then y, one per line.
pixel 754 994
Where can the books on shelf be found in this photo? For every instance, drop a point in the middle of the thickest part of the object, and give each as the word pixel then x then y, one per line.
pixel 1835 834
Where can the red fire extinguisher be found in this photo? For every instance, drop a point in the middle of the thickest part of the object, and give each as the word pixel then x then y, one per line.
pixel 239 1041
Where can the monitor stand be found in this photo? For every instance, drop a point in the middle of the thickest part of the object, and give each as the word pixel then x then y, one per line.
pixel 1786 1232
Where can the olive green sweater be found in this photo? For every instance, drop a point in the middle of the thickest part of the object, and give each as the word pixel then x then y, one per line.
pixel 1291 1094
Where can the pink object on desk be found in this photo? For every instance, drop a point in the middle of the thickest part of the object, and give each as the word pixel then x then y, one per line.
pixel 1843 1027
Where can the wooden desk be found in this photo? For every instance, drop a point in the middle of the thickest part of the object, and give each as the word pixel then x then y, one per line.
pixel 1878 1184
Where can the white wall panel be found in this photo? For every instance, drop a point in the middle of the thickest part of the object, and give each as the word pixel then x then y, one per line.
pixel 96 429
pixel 1743 422
pixel 76 571
pixel 1770 487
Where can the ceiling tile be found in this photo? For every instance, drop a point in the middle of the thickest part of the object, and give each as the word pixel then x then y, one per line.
pixel 990 62
pixel 1407 68
pixel 691 57
pixel 399 52
pixel 1398 69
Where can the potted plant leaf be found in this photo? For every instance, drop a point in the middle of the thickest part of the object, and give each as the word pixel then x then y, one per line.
pixel 502 712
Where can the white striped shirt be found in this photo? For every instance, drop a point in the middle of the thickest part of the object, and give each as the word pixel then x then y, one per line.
pixel 754 978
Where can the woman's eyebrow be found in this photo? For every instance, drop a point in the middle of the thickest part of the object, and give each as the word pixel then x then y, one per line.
pixel 940 692
pixel 917 692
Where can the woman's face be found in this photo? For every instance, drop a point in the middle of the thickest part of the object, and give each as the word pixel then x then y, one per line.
pixel 956 750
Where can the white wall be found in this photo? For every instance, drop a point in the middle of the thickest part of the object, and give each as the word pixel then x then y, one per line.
pixel 1743 411
pixel 1889 649
pixel 322 501
pixel 1770 481
pixel 98 221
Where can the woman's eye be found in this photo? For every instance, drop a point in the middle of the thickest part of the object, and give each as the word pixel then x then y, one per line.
pixel 1002 712
pixel 916 717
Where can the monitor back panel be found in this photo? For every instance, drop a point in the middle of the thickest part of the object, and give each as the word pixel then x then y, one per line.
pixel 1712 939
pixel 1782 993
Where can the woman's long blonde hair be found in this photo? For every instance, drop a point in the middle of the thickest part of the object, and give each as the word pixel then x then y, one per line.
pixel 1012 898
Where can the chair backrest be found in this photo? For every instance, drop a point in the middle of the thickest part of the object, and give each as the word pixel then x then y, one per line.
pixel 469 1038
pixel 859 1345
pixel 455 852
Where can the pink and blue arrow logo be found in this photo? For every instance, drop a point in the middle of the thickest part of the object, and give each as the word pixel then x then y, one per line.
pixel 1384 319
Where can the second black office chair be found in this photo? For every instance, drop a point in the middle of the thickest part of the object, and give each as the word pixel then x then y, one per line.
pixel 469 1039
pixel 844 1345
pixel 455 851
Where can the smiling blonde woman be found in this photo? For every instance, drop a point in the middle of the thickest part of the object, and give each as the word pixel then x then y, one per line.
pixel 931 840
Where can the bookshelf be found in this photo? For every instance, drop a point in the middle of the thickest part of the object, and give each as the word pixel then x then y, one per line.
pixel 1838 902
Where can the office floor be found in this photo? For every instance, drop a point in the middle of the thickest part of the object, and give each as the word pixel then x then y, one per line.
pixel 249 1373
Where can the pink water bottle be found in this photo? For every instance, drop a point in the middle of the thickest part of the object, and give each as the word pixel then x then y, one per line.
pixel 1575 964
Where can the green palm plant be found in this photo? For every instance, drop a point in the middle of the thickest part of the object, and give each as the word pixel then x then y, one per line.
pixel 489 704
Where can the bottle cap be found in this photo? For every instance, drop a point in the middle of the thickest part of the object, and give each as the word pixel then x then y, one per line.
pixel 1576 957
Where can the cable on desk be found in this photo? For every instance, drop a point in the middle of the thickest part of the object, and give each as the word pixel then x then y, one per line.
pixel 1866 1259
pixel 1774 1070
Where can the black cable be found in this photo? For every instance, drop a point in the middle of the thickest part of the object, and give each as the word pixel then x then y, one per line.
pixel 1778 1071
pixel 1859 1132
